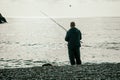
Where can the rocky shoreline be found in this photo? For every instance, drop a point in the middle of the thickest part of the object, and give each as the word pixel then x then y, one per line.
pixel 103 71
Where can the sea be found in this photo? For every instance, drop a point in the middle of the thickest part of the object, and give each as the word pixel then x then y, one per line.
pixel 30 42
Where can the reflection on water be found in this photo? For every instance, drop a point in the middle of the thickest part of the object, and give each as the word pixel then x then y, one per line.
pixel 33 42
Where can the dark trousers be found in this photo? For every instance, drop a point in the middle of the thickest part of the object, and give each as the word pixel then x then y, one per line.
pixel 74 55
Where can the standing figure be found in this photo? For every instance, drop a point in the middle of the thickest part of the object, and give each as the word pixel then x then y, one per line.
pixel 2 19
pixel 73 37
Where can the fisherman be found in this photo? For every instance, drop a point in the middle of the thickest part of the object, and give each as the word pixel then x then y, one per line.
pixel 2 19
pixel 73 37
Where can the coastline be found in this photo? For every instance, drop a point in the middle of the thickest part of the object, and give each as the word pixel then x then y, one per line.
pixel 103 71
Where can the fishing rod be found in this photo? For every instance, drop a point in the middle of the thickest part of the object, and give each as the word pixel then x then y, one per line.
pixel 54 21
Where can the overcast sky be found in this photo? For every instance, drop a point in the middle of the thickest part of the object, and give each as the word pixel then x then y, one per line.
pixel 60 8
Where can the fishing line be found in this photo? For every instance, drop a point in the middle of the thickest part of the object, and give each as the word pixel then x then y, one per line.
pixel 54 21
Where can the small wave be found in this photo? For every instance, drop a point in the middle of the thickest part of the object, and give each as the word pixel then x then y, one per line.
pixel 109 45
pixel 19 63
pixel 114 48
pixel 86 46
pixel 46 45
pixel 9 42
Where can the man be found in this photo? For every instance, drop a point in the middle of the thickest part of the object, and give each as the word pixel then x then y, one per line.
pixel 2 19
pixel 73 38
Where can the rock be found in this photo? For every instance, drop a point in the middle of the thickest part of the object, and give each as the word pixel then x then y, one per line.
pixel 2 19
pixel 47 64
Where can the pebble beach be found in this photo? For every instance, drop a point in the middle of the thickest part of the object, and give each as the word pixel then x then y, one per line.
pixel 103 71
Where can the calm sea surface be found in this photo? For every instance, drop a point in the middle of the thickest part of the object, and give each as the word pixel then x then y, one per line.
pixel 26 42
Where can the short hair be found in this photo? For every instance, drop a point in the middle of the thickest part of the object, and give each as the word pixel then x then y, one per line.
pixel 72 24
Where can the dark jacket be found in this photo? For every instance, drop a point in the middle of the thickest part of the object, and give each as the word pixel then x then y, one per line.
pixel 73 38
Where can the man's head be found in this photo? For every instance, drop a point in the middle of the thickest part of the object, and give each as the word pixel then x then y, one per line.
pixel 72 24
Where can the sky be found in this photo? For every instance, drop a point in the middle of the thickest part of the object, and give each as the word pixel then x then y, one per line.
pixel 60 8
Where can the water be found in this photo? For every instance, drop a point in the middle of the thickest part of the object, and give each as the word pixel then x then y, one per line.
pixel 26 42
